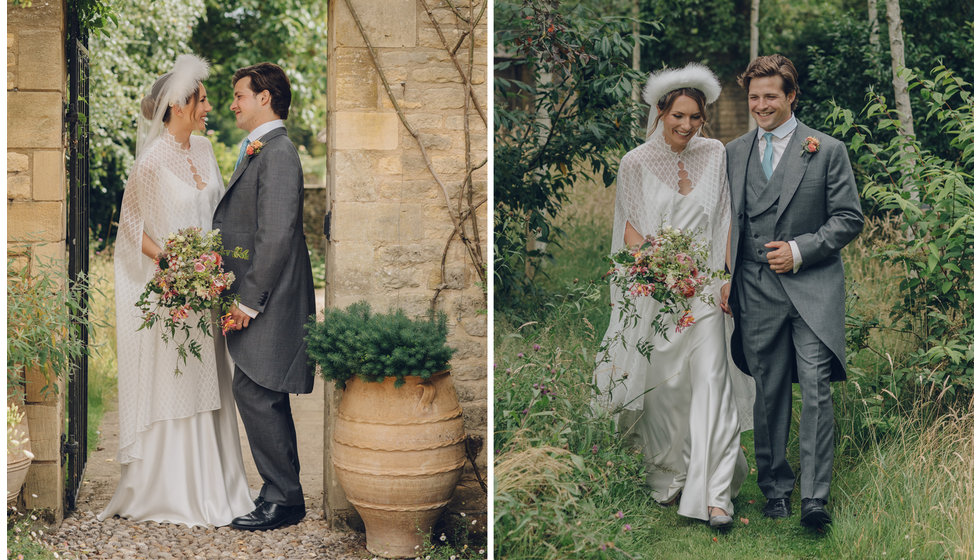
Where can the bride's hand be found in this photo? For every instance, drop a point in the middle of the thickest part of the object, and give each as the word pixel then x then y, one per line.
pixel 726 290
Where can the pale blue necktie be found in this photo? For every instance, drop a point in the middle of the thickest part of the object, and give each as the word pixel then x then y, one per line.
pixel 767 156
pixel 241 153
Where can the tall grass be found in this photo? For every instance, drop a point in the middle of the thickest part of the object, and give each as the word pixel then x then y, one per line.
pixel 102 368
pixel 568 487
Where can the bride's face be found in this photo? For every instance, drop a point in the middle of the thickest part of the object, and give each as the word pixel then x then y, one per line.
pixel 199 114
pixel 681 122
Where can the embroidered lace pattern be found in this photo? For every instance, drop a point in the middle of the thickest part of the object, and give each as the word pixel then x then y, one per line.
pixel 170 187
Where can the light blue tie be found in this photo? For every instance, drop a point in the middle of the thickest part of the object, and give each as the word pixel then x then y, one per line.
pixel 767 156
pixel 241 153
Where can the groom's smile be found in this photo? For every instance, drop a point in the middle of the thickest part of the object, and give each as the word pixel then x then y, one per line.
pixel 769 104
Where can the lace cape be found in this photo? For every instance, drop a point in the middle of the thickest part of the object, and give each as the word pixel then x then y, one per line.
pixel 646 184
pixel 161 196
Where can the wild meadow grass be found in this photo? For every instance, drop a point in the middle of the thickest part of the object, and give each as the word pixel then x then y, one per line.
pixel 568 487
pixel 102 359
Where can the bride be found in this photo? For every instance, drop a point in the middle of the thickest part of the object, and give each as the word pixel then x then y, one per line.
pixel 179 448
pixel 681 403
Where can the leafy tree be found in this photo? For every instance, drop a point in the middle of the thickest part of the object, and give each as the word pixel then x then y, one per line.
pixel 937 304
pixel 570 118
pixel 143 44
pixel 713 32
pixel 291 33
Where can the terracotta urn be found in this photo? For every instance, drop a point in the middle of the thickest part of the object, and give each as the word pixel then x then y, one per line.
pixel 399 453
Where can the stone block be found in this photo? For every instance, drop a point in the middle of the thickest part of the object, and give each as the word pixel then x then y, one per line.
pixel 49 175
pixel 353 268
pixel 428 121
pixel 45 421
pixel 437 75
pixel 51 254
pixel 35 221
pixel 387 24
pixel 416 190
pixel 474 416
pixel 409 222
pixel 414 253
pixel 469 369
pixel 42 386
pixel 470 391
pixel 469 347
pixel 18 187
pixel 475 326
pixel 34 119
pixel 43 14
pixel 437 98
pixel 352 177
pixel 44 488
pixel 451 165
pixel 389 165
pixel 350 221
pixel 41 60
pixel 433 141
pixel 17 162
pixel 366 131
pixel 356 80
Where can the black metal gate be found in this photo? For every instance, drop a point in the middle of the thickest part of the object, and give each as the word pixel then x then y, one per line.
pixel 75 441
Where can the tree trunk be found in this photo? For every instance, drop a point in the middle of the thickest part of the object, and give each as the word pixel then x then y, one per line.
pixel 636 47
pixel 897 44
pixel 902 103
pixel 873 23
pixel 753 41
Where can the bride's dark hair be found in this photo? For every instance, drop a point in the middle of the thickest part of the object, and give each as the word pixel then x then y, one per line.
pixel 667 101
pixel 148 105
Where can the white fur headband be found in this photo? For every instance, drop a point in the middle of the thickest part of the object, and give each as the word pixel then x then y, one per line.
pixel 694 75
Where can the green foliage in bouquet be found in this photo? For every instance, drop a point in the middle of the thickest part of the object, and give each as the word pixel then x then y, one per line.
pixel 355 341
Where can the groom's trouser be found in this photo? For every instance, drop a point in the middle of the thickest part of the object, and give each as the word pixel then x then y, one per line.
pixel 271 435
pixel 774 336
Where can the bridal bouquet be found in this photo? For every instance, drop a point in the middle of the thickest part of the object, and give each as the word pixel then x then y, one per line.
pixel 671 267
pixel 188 278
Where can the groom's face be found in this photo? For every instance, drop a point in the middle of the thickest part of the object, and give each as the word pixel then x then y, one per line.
pixel 769 104
pixel 246 106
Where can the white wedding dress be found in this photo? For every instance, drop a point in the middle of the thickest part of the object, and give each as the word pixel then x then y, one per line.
pixel 179 447
pixel 687 404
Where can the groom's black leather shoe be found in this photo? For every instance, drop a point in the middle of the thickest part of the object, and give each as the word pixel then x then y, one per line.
pixel 813 514
pixel 776 508
pixel 269 516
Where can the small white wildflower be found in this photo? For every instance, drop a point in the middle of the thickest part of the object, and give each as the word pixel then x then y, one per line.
pixel 474 522
pixel 462 514
pixel 442 537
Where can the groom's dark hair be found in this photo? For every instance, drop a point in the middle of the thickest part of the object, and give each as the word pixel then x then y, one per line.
pixel 773 65
pixel 268 76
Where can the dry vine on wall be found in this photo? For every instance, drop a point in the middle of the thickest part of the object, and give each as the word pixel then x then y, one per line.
pixel 463 214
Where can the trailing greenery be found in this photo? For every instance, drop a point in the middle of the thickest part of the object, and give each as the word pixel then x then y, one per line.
pixel 372 346
pixel 931 197
pixel 563 111
pixel 44 321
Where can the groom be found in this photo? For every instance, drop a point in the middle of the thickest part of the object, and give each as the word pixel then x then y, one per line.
pixel 262 211
pixel 794 207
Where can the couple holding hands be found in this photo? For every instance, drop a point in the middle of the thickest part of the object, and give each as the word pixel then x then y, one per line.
pixel 775 207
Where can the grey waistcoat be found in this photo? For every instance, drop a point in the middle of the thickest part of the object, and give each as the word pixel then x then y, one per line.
pixel 761 203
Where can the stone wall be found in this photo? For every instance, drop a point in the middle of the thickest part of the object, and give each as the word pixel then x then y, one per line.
pixel 36 203
pixel 390 218
pixel 730 114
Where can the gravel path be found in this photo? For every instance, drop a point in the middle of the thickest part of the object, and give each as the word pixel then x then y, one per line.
pixel 84 537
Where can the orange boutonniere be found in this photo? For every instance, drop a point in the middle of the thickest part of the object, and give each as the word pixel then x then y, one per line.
pixel 810 145
pixel 254 147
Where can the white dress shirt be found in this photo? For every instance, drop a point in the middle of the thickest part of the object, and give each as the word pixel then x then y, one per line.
pixel 781 136
pixel 259 132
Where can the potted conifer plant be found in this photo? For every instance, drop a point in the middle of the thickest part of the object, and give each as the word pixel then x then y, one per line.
pixel 398 442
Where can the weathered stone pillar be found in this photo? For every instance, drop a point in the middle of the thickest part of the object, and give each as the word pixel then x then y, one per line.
pixel 390 219
pixel 36 205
